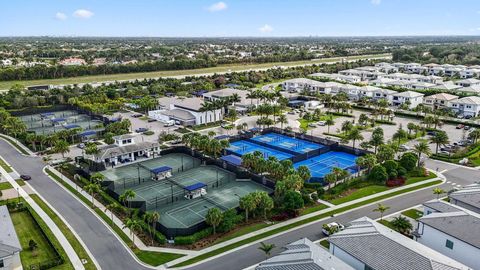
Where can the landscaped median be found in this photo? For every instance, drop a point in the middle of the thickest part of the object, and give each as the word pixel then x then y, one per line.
pixel 149 257
pixel 314 217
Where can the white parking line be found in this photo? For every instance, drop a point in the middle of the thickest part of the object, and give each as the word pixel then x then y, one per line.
pixel 448 182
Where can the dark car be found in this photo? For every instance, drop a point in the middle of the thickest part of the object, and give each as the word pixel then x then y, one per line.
pixel 151 120
pixel 141 130
pixel 137 115
pixel 25 177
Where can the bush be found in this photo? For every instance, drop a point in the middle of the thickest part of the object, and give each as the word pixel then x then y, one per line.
pixel 230 219
pixel 314 197
pixel 401 172
pixel 395 182
pixel 408 161
pixel 378 174
pixel 390 165
pixel 148 133
pixel 191 239
pixel 293 201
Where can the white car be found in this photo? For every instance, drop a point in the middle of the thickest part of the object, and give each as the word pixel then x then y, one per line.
pixel 322 123
pixel 404 148
pixel 332 228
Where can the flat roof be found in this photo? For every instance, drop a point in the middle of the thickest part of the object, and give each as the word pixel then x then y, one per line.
pixel 9 243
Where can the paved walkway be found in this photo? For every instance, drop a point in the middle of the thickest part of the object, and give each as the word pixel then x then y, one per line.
pixel 72 255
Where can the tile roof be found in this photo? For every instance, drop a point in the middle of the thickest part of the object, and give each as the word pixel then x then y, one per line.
pixel 462 225
pixel 443 96
pixel 409 94
pixel 469 100
pixel 440 206
pixel 469 195
pixel 382 248
pixel 304 255
pixel 9 243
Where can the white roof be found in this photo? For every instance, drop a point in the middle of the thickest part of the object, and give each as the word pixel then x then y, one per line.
pixel 468 100
pixel 409 94
pixel 442 96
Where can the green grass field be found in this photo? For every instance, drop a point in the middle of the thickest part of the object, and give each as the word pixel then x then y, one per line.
pixel 5 185
pixel 413 213
pixel 172 73
pixel 27 229
pixel 5 166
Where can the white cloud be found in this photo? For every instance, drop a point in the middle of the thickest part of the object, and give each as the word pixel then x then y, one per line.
pixel 266 29
pixel 60 16
pixel 217 7
pixel 82 14
pixel 376 2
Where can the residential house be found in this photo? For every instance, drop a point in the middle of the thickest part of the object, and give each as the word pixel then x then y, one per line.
pixel 303 254
pixel 469 73
pixel 446 86
pixel 468 82
pixel 467 106
pixel 452 231
pixel 9 244
pixel 471 90
pixel 381 93
pixel 408 97
pixel 412 67
pixel 125 150
pixel 298 84
pixel 244 103
pixel 352 91
pixel 467 197
pixel 439 101
pixel 367 244
pixel 421 85
pixel 185 111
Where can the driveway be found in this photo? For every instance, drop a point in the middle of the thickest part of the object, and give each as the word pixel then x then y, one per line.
pixel 109 252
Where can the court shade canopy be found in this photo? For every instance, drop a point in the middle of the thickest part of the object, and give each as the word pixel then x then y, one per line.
pixel 88 133
pixel 195 186
pixel 71 126
pixel 47 114
pixel 161 169
pixel 232 159
pixel 56 120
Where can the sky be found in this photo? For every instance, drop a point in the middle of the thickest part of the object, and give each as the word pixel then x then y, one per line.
pixel 237 18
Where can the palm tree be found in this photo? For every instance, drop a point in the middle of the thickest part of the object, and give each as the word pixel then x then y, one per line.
pixel 354 135
pixel 421 148
pixel 381 208
pixel 282 119
pixel 92 188
pixel 330 179
pixel 126 197
pixel 14 126
pixel 213 218
pixel 440 138
pixel 112 207
pixel 399 135
pixel 32 139
pixel 132 225
pixel 329 122
pixel 62 147
pixel 97 177
pixel 438 191
pixel 248 205
pixel 401 224
pixel 474 135
pixel 266 248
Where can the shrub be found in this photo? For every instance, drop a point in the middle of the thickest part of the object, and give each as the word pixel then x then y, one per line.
pixel 230 219
pixel 401 171
pixel 390 165
pixel 378 174
pixel 190 239
pixel 408 161
pixel 293 201
pixel 314 197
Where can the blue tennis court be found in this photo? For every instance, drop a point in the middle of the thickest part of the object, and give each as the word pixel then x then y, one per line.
pixel 244 147
pixel 321 165
pixel 293 144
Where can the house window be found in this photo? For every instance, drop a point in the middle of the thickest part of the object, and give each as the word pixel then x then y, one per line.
pixel 2 264
pixel 449 244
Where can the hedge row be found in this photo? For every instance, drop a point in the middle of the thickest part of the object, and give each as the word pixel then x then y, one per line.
pixel 190 239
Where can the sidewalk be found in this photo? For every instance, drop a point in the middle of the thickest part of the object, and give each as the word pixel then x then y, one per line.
pixel 72 255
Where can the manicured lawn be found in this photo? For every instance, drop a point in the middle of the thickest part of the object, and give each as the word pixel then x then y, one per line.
pixel 412 180
pixel 27 229
pixel 20 182
pixel 205 126
pixel 413 213
pixel 5 185
pixel 81 252
pixel 360 193
pixel 312 209
pixel 298 223
pixel 244 230
pixel 5 166
pixel 386 223
pixel 156 258
pixel 324 243
pixel 141 75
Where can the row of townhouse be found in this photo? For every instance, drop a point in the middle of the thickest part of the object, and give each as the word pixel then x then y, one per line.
pixel 447 70
pixel 467 106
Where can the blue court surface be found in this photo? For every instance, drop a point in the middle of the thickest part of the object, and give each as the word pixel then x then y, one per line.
pixel 244 147
pixel 323 164
pixel 293 144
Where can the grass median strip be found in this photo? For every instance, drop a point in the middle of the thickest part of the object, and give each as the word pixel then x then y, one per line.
pixel 149 257
pixel 81 252
pixel 298 223
pixel 5 166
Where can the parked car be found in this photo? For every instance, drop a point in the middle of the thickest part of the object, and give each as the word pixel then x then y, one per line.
pixel 312 125
pixel 81 145
pixel 460 126
pixel 322 123
pixel 431 133
pixel 332 228
pixel 291 112
pixel 468 116
pixel 141 130
pixel 444 152
pixel 137 115
pixel 404 148
pixel 466 127
pixel 151 120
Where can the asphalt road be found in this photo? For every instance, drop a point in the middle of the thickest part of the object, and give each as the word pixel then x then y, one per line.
pixel 109 252
pixel 250 255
